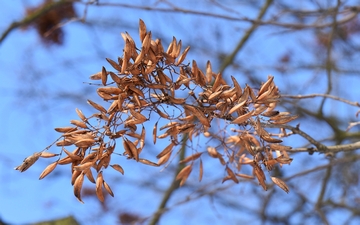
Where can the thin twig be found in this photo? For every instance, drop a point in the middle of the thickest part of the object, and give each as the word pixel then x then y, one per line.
pixel 230 58
pixel 352 15
pixel 322 95
pixel 173 186
pixel 320 147
pixel 32 17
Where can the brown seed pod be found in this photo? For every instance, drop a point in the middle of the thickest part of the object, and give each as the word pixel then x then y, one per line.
pixel 103 76
pixel 243 118
pixel 96 106
pixel 184 174
pixel 114 64
pixel 142 30
pixel 266 85
pixel 78 123
pixel 118 168
pixel 98 187
pixel 108 189
pixel 78 186
pixel 232 175
pixel 191 157
pixel 48 170
pixel 65 129
pixel 166 150
pixel 237 87
pixel 148 162
pixel 182 56
pixel 280 183
pixel 85 143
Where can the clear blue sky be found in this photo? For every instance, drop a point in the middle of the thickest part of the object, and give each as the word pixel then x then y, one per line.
pixel 32 76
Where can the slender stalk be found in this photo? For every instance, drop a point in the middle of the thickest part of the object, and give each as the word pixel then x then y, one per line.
pixel 173 186
pixel 230 58
pixel 32 17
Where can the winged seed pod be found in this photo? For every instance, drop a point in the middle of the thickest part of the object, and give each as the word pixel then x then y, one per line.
pixel 29 161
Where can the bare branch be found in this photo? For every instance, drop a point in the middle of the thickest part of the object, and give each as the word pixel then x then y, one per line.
pixel 322 95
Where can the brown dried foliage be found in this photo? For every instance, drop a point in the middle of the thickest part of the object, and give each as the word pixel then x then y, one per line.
pixel 48 24
pixel 144 80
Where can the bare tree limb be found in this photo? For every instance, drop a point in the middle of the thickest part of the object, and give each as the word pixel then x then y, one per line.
pixel 322 95
pixel 173 186
pixel 32 17
pixel 230 58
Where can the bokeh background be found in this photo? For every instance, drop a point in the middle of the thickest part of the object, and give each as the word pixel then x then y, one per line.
pixel 304 45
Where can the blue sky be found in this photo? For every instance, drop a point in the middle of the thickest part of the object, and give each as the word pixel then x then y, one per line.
pixel 35 79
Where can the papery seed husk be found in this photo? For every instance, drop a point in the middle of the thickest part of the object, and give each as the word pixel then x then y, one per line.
pixel 171 46
pixel 80 114
pixel 114 65
pixel 104 161
pixel 78 185
pixel 142 30
pixel 266 85
pixel 259 174
pixel 148 162
pixel 218 81
pixel 110 90
pixel 64 143
pixel 127 148
pixel 65 160
pixel 90 176
pixel 65 129
pixel 78 123
pixel 244 176
pixel 284 160
pixel 237 87
pixel 133 150
pixel 177 51
pixel 232 175
pixel 199 114
pixel 98 186
pixel 164 158
pixel 48 170
pixel 138 115
pixel 118 168
pixel 269 139
pixel 212 152
pixel 252 94
pixel 191 157
pixel 96 106
pixel 184 174
pixel 103 76
pixel 84 167
pixel 96 76
pixel 72 155
pixel 284 119
pixel 280 184
pixel 241 119
pixel 84 143
pixel 280 147
pixel 270 113
pixel 182 56
pixel 115 78
pixel 166 150
pixel 108 189
pixel 48 154
pixel 146 43
pixel 75 174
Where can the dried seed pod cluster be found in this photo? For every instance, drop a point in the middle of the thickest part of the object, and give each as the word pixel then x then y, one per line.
pixel 147 82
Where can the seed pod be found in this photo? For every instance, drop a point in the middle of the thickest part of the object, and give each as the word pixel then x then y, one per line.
pixel 77 186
